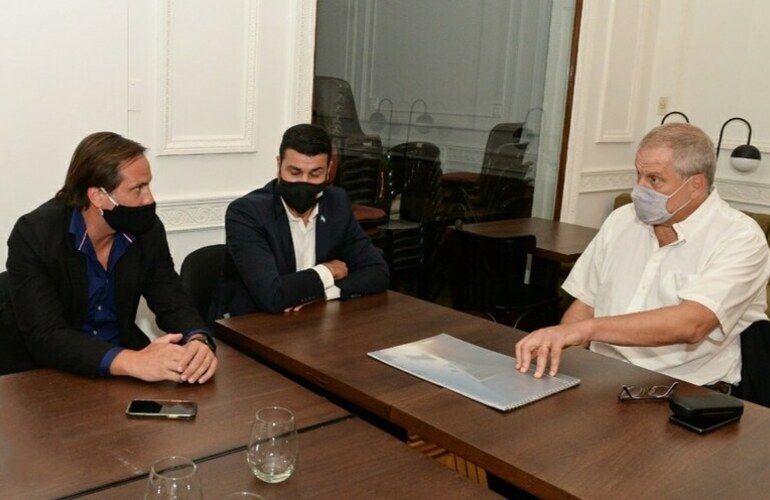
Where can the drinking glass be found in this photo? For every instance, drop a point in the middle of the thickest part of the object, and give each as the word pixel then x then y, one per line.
pixel 173 478
pixel 272 453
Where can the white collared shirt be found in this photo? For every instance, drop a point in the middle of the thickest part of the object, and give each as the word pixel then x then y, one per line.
pixel 303 240
pixel 720 260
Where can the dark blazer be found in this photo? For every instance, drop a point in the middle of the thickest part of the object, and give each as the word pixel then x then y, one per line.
pixel 49 291
pixel 260 272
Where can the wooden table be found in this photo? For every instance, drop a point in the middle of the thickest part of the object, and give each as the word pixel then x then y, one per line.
pixel 61 434
pixel 347 459
pixel 556 241
pixel 580 443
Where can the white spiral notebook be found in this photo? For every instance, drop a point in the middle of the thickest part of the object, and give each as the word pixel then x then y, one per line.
pixel 477 373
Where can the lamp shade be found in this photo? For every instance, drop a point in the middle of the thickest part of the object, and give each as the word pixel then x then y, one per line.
pixel 745 158
pixel 424 123
pixel 377 121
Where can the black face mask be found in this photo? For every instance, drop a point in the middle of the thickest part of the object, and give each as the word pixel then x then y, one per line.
pixel 131 220
pixel 300 196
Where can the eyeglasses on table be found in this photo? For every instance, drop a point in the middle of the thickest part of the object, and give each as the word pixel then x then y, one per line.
pixel 641 392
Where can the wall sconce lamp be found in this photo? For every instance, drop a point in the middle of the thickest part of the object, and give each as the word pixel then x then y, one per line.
pixel 424 121
pixel 674 113
pixel 744 158
pixel 377 119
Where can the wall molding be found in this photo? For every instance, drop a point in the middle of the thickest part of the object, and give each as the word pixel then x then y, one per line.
pixel 729 144
pixel 195 214
pixel 631 71
pixel 464 155
pixel 733 191
pixel 607 180
pixel 744 192
pixel 304 55
pixel 173 143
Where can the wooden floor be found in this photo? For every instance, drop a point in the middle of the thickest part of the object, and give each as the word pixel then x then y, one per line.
pixel 450 460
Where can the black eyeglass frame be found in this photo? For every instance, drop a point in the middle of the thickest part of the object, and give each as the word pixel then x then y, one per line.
pixel 646 392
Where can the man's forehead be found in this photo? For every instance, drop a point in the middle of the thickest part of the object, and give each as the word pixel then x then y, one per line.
pixel 292 158
pixel 135 170
pixel 658 157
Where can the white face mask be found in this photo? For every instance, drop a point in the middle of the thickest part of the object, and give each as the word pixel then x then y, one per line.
pixel 650 205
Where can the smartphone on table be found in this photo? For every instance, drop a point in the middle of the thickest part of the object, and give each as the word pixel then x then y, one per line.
pixel 162 408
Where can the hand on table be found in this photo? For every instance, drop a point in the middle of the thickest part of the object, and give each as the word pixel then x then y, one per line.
pixel 545 346
pixel 166 359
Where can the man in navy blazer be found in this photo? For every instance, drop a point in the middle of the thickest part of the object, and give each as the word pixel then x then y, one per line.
pixel 295 240
pixel 78 265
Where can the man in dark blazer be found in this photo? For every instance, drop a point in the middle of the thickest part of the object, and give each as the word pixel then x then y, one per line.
pixel 295 240
pixel 79 263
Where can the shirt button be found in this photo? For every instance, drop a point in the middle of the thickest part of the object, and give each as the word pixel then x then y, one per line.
pixel 98 308
pixel 94 332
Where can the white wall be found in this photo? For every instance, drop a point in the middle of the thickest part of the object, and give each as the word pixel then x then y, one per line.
pixel 208 87
pixel 63 71
pixel 70 68
pixel 706 57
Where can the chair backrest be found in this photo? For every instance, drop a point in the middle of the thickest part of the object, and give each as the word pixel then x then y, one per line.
pixel 5 288
pixel 363 178
pixel 334 108
pixel 755 370
pixel 200 273
pixel 14 356
pixel 416 167
pixel 489 272
pixel 501 135
pixel 502 185
pixel 358 168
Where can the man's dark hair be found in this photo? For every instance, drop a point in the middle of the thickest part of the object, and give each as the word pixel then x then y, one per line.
pixel 306 139
pixel 96 162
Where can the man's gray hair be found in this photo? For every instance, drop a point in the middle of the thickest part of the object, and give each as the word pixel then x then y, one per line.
pixel 693 149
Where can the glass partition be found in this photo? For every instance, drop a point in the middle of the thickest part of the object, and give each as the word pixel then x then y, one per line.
pixel 444 112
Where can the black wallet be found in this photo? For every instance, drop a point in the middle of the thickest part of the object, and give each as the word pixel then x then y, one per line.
pixel 704 414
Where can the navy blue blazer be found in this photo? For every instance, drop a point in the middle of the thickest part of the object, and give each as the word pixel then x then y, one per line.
pixel 260 272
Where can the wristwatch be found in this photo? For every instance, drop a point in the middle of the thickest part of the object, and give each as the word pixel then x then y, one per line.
pixel 206 340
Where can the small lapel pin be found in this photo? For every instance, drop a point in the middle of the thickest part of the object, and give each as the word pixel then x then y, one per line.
pixel 323 219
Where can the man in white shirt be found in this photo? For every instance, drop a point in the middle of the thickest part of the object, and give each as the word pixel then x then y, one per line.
pixel 670 282
pixel 295 240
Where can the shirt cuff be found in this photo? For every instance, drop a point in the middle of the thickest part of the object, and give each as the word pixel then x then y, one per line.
pixel 186 336
pixel 331 290
pixel 109 357
pixel 326 276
